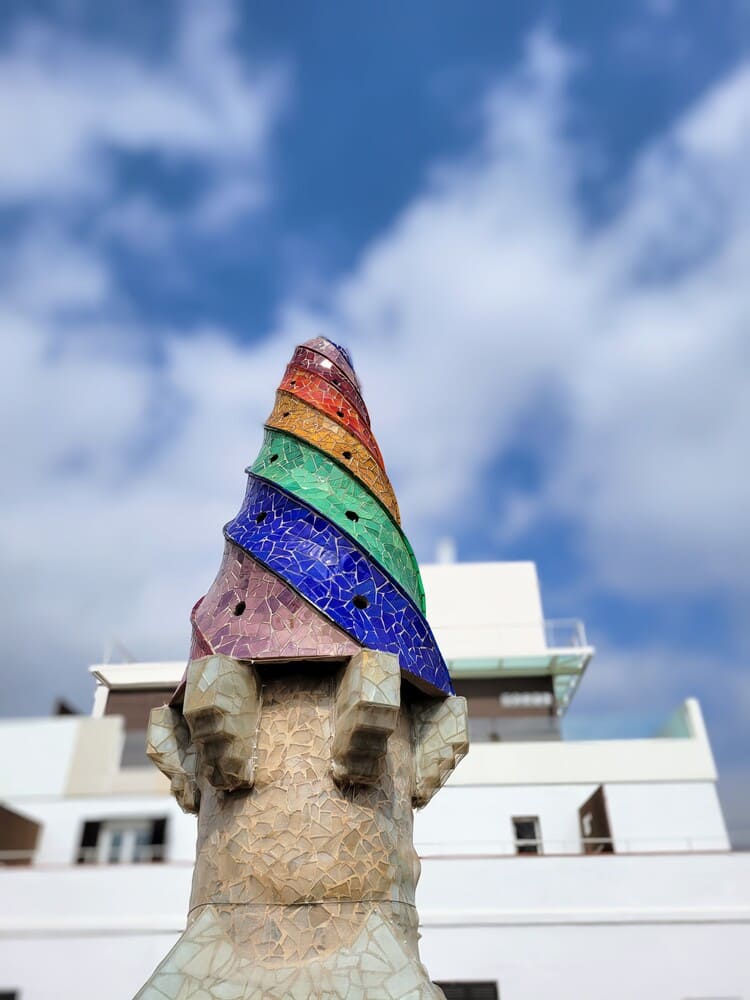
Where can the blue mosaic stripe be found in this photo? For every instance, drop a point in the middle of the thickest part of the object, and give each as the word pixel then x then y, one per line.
pixel 326 567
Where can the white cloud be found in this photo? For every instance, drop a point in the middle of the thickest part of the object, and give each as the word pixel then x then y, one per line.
pixel 46 271
pixel 67 106
pixel 490 296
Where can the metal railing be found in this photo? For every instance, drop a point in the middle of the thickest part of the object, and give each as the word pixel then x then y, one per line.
pixel 575 847
pixel 536 636
pixel 143 854
pixel 565 633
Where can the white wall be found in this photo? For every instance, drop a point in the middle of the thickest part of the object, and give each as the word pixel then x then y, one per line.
pixel 93 966
pixel 606 927
pixel 684 962
pixel 621 927
pixel 35 755
pixel 484 609
pixel 701 961
pixel 644 816
pixel 589 761
pixel 461 820
pixel 666 816
pixel 58 756
pixel 473 820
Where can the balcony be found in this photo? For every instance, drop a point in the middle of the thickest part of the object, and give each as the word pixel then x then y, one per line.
pixel 628 726
pixel 555 647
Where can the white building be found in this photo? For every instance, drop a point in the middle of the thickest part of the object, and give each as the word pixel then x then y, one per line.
pixel 577 869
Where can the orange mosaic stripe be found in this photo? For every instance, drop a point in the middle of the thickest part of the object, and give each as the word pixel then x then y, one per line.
pixel 315 391
pixel 292 415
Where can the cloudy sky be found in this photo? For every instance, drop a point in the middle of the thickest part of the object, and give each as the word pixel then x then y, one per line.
pixel 530 225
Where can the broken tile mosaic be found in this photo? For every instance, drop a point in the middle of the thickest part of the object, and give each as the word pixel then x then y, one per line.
pixel 338 578
pixel 305 422
pixel 312 389
pixel 306 873
pixel 310 475
pixel 251 614
pixel 335 353
pixel 310 360
pixel 290 735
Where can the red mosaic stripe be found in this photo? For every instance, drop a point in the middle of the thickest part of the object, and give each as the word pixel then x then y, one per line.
pixel 313 361
pixel 312 389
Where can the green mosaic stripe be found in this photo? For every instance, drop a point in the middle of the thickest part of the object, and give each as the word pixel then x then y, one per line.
pixel 318 481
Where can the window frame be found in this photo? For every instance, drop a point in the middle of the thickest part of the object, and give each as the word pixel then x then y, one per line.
pixel 118 840
pixel 526 845
pixel 470 989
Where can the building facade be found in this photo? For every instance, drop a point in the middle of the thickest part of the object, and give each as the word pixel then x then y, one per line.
pixel 555 862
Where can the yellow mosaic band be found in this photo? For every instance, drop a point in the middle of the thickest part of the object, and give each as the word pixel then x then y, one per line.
pixel 305 422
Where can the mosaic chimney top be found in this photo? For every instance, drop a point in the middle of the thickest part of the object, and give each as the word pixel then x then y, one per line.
pixel 294 737
pixel 316 562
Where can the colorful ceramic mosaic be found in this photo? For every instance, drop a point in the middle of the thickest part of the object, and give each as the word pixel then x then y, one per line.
pixel 251 614
pixel 312 389
pixel 304 784
pixel 290 736
pixel 306 358
pixel 312 476
pixel 335 353
pixel 337 577
pixel 325 542
pixel 308 424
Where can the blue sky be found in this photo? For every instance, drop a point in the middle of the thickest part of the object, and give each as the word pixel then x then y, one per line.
pixel 531 225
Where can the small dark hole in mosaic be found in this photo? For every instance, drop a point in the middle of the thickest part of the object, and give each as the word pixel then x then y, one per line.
pixel 273 458
pixel 347 455
pixel 261 517
pixel 340 413
pixel 352 515
pixel 293 383
pixel 239 607
pixel 285 414
pixel 360 601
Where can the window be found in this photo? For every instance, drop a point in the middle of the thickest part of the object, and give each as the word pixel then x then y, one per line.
pixel 122 841
pixel 527 699
pixel 469 991
pixel 134 705
pixel 527 835
pixel 593 818
pixel 18 839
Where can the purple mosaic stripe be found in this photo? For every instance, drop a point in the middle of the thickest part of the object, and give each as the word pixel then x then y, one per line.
pixel 337 355
pixel 324 565
pixel 250 614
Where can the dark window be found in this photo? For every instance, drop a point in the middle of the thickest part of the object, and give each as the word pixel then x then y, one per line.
pixel 527 835
pixel 135 705
pixel 510 709
pixel 18 838
pixel 469 991
pixel 129 840
pixel 593 817
pixel 9 994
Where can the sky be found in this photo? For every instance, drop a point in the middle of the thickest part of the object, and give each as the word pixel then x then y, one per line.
pixel 529 223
